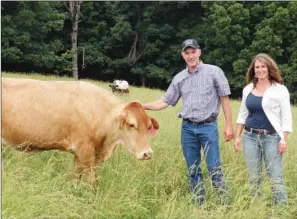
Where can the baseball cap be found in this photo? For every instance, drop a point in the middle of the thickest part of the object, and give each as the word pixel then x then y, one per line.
pixel 190 43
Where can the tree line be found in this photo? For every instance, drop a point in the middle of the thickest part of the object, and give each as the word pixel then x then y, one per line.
pixel 141 41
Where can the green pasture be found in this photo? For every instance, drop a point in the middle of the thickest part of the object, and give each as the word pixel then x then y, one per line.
pixel 42 185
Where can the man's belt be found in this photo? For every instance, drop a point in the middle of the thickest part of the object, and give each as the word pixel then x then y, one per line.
pixel 208 120
pixel 259 131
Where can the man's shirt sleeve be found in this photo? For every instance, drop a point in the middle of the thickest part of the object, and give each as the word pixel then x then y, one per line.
pixel 172 94
pixel 221 83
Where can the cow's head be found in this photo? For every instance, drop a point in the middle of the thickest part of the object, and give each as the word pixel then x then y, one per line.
pixel 113 87
pixel 135 128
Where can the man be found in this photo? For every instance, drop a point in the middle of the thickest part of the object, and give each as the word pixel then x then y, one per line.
pixel 203 88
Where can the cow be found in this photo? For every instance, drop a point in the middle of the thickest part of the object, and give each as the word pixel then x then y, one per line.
pixel 120 86
pixel 76 117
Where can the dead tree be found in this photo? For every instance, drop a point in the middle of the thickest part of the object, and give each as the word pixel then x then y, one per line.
pixel 135 54
pixel 74 14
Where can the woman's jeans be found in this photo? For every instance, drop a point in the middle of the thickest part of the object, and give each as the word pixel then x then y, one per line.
pixel 195 137
pixel 256 147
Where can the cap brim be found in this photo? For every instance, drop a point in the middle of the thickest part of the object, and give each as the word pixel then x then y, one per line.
pixel 194 47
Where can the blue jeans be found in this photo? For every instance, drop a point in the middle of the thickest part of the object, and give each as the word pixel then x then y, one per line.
pixel 195 137
pixel 256 147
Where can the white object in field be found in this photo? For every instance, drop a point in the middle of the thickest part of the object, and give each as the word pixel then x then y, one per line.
pixel 121 84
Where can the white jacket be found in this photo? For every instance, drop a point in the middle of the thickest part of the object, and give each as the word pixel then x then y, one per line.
pixel 276 106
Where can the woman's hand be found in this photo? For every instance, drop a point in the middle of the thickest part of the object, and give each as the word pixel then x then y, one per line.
pixel 282 148
pixel 237 144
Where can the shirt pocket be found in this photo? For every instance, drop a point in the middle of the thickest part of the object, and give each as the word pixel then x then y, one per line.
pixel 205 93
pixel 186 91
pixel 208 90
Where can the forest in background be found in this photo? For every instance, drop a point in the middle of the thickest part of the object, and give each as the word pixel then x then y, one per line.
pixel 140 41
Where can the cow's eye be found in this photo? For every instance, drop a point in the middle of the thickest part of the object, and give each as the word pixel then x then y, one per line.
pixel 131 125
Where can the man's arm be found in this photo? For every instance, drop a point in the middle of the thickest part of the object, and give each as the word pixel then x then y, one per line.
pixel 228 133
pixel 156 105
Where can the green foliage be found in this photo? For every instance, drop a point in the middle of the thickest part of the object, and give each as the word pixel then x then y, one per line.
pixel 27 34
pixel 140 41
pixel 63 62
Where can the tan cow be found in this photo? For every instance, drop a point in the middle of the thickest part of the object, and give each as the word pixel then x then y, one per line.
pixel 77 117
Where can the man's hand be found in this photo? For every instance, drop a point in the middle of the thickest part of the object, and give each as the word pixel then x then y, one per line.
pixel 228 133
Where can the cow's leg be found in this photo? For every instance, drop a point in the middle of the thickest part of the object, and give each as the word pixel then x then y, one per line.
pixel 85 161
pixel 79 169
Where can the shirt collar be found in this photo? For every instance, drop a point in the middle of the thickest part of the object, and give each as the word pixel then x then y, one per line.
pixel 198 67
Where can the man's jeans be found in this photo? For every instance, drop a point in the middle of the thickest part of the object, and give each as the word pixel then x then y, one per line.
pixel 205 136
pixel 256 147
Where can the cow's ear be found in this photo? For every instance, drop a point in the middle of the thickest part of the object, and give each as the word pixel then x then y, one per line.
pixel 122 119
pixel 155 124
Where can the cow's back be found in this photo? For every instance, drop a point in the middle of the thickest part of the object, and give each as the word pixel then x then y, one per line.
pixel 51 113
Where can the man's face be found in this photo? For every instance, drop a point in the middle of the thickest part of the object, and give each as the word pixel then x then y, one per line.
pixel 191 56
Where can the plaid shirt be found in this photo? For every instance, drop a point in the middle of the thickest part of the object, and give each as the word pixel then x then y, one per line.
pixel 200 92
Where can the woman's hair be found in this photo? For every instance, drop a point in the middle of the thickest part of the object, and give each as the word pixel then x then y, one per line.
pixel 273 70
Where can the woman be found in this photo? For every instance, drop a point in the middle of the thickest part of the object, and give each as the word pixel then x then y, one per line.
pixel 265 115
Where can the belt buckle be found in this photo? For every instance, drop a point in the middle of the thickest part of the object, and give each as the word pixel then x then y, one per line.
pixel 261 131
pixel 256 131
pixel 198 123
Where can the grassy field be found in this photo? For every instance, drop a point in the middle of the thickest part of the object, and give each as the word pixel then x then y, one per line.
pixel 42 185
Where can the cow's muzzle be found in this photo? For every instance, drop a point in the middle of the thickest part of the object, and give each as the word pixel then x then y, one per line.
pixel 145 155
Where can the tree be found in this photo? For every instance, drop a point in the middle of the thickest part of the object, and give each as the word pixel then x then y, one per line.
pixel 276 35
pixel 140 41
pixel 27 38
pixel 226 36
pixel 74 14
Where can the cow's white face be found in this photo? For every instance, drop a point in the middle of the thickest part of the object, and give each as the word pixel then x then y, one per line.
pixel 135 128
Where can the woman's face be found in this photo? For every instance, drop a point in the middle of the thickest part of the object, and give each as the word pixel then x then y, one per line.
pixel 261 70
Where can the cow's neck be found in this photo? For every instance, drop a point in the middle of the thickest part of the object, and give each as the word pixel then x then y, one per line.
pixel 111 137
pixel 112 132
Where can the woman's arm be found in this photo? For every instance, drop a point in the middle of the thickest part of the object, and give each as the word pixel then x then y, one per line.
pixel 237 144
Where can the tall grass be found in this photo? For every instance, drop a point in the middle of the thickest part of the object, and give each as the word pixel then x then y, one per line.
pixel 42 185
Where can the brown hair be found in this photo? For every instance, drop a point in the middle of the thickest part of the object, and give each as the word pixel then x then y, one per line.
pixel 273 70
